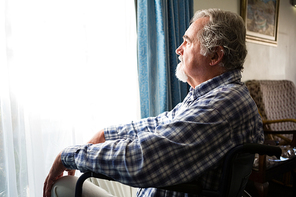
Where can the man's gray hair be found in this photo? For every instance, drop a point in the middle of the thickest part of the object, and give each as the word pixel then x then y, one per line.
pixel 224 29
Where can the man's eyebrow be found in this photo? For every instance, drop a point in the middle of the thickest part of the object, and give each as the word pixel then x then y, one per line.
pixel 185 37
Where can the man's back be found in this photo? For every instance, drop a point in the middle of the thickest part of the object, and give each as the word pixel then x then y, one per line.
pixel 214 117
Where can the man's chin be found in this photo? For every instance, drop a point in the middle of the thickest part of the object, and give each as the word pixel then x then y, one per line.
pixel 180 74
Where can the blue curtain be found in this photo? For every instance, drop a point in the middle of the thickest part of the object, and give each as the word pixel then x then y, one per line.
pixel 161 25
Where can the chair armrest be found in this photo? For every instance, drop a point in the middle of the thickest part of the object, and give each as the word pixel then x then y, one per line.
pixel 278 121
pixel 191 187
pixel 279 133
pixel 83 177
pixel 263 149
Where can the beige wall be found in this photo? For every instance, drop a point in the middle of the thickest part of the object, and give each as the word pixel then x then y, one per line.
pixel 266 62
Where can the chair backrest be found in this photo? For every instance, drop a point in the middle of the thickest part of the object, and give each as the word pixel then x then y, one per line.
pixel 275 99
pixel 241 168
pixel 237 167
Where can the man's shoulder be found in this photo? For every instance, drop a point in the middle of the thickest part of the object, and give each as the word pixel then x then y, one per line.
pixel 232 95
pixel 228 91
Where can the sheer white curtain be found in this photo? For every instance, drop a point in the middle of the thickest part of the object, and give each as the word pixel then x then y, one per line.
pixel 68 69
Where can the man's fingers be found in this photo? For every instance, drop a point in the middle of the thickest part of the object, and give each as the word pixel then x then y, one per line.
pixel 49 182
pixel 71 172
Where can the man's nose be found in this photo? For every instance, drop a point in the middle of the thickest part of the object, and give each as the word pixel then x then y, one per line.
pixel 179 50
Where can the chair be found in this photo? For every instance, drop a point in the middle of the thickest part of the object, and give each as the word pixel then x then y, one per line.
pixel 276 102
pixel 237 167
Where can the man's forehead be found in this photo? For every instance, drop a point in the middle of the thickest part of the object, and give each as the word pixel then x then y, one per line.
pixel 193 29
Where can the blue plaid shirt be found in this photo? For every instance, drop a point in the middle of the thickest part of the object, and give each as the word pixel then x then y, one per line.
pixel 185 144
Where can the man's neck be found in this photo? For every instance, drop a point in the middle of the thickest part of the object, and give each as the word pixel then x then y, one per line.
pixel 193 82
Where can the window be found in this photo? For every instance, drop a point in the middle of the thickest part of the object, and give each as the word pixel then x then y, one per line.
pixel 70 69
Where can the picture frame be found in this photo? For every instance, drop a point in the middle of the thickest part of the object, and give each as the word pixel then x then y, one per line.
pixel 261 20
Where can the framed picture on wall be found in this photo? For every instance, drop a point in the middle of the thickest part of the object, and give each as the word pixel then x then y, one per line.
pixel 261 20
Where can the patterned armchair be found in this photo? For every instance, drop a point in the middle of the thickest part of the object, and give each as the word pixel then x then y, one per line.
pixel 276 102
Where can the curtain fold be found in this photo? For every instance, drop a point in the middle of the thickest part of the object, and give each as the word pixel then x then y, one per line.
pixel 161 25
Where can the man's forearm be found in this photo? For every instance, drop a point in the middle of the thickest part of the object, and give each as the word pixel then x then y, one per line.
pixel 99 137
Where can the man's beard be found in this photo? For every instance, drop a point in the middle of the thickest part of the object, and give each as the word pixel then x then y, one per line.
pixel 180 74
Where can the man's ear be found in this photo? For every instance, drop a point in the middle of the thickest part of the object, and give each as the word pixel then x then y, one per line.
pixel 217 56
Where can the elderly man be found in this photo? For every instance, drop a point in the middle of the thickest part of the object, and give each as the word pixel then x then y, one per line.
pixel 189 142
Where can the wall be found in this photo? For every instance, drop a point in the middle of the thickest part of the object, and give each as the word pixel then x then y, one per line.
pixel 266 62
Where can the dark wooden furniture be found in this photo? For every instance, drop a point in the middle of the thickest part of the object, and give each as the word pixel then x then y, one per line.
pixel 276 102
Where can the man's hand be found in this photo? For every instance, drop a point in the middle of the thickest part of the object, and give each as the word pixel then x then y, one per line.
pixel 54 174
pixel 99 137
pixel 58 168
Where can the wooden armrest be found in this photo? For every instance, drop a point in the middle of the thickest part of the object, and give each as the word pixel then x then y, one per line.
pixel 278 121
pixel 279 133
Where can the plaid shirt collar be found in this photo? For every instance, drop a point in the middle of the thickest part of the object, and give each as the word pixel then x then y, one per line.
pixel 205 87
